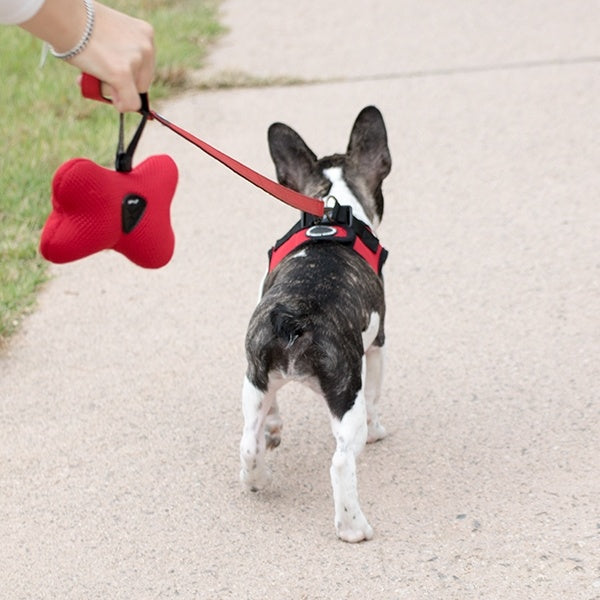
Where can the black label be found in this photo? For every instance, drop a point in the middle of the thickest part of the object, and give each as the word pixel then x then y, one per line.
pixel 132 209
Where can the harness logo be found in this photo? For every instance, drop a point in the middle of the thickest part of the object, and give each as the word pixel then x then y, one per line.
pixel 320 231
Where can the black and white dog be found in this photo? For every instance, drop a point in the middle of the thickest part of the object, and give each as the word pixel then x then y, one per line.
pixel 320 317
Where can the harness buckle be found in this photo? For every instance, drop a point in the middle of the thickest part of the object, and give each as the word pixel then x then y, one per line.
pixel 338 213
pixel 333 213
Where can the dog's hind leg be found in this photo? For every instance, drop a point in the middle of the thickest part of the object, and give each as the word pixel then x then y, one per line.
pixel 256 406
pixel 350 435
pixel 374 359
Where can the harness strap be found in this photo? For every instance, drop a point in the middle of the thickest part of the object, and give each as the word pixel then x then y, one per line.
pixel 357 234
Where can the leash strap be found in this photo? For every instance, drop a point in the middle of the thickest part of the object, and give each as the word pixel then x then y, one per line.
pixel 91 88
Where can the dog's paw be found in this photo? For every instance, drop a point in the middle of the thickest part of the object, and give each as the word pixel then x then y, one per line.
pixel 256 478
pixel 376 431
pixel 354 530
pixel 272 440
pixel 273 427
pixel 273 434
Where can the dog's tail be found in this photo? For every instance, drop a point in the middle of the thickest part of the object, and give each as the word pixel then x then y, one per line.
pixel 292 326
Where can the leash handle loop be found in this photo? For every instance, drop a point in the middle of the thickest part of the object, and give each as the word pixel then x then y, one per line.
pixel 91 88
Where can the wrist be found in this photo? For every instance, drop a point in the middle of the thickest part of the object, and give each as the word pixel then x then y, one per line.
pixel 85 38
pixel 60 23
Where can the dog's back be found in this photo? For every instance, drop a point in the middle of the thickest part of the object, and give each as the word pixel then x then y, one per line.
pixel 309 320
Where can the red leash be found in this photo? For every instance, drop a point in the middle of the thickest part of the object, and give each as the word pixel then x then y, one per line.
pixel 91 88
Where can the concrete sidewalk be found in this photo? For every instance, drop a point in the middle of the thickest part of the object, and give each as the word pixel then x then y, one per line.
pixel 120 399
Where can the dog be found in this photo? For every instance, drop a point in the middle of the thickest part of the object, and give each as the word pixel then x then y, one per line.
pixel 320 317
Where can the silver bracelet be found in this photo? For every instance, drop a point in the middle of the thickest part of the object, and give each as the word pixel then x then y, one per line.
pixel 87 34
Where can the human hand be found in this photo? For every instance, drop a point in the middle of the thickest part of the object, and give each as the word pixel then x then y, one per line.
pixel 120 53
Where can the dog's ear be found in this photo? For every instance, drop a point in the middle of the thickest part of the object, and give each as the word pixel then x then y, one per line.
pixel 368 153
pixel 295 162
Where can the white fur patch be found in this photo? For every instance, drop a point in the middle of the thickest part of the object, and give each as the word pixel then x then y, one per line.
pixel 374 359
pixel 374 375
pixel 370 333
pixel 341 192
pixel 255 407
pixel 350 435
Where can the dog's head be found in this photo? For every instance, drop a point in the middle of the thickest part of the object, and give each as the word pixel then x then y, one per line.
pixel 353 178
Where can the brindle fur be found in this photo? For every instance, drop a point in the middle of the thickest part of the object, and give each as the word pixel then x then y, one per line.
pixel 315 308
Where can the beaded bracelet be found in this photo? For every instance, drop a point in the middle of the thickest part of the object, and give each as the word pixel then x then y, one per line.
pixel 87 34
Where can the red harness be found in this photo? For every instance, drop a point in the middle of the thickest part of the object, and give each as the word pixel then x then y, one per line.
pixel 309 231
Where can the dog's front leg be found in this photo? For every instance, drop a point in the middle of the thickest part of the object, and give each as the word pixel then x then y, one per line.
pixel 374 357
pixel 256 405
pixel 350 434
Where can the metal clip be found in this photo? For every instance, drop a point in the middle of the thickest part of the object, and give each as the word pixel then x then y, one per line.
pixel 329 208
pixel 337 213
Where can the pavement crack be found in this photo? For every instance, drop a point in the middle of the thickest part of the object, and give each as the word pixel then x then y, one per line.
pixel 241 80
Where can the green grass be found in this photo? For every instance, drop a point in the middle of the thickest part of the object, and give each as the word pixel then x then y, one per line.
pixel 44 122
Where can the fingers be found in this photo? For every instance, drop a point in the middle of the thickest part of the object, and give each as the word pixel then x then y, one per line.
pixel 125 95
pixel 145 71
pixel 106 91
pixel 138 72
pixel 127 79
pixel 121 54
